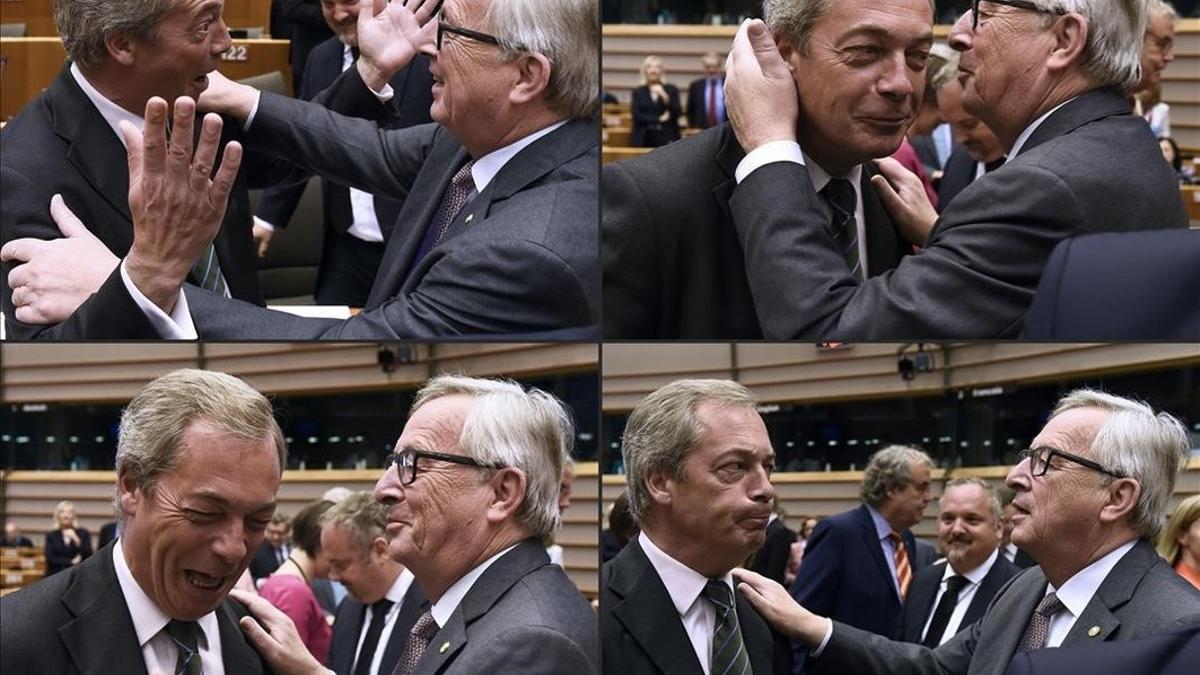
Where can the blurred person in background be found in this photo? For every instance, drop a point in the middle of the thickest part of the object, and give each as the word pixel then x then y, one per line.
pixel 67 544
pixel 274 549
pixel 289 587
pixel 1180 541
pixel 13 537
pixel 1170 150
pixel 655 106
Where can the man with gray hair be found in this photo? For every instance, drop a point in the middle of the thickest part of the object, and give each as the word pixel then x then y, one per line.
pixel 1091 498
pixel 1057 104
pixel 1158 44
pixel 67 143
pixel 499 194
pixel 698 467
pixel 470 491
pixel 859 564
pixel 949 596
pixel 674 267
pixel 199 459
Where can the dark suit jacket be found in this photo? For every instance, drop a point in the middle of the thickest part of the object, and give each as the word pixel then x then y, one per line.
pixel 413 97
pixel 697 112
pixel 519 258
pixel 77 623
pixel 1023 559
pixel 919 604
pixel 60 143
pixel 648 130
pixel 845 576
pixel 1175 653
pixel 958 174
pixel 347 627
pixel 523 615
pixel 59 554
pixel 308 29
pixel 771 560
pixel 1120 286
pixel 264 562
pixel 673 266
pixel 1140 597
pixel 642 632
pixel 977 273
pixel 108 534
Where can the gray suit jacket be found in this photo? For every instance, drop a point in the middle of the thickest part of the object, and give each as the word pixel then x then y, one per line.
pixel 982 263
pixel 522 616
pixel 1141 596
pixel 77 623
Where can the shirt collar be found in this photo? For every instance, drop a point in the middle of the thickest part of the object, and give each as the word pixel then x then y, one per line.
pixel 683 583
pixel 882 527
pixel 485 168
pixel 1016 148
pixel 1077 591
pixel 976 575
pixel 400 587
pixel 111 112
pixel 450 600
pixel 820 177
pixel 148 619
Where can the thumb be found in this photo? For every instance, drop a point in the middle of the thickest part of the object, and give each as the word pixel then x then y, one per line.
pixel 765 51
pixel 68 223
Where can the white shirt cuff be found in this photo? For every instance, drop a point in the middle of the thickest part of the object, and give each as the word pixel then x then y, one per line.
pixel 259 222
pixel 828 634
pixel 384 95
pixel 253 111
pixel 775 151
pixel 176 326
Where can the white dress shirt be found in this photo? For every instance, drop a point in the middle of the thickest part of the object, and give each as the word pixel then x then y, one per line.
pixel 1077 592
pixel 789 151
pixel 158 649
pixel 396 594
pixel 686 588
pixel 1020 142
pixel 965 595
pixel 882 530
pixel 450 600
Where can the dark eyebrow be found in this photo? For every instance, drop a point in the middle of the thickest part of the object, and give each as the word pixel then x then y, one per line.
pixel 219 499
pixel 879 32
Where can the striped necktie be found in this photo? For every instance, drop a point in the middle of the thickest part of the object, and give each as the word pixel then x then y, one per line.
pixel 843 228
pixel 185 636
pixel 207 272
pixel 900 558
pixel 729 655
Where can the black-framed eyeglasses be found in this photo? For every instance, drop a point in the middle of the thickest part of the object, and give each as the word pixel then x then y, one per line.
pixel 406 462
pixel 444 28
pixel 1040 459
pixel 1019 4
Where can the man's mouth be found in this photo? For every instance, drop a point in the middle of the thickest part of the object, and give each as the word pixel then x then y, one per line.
pixel 204 582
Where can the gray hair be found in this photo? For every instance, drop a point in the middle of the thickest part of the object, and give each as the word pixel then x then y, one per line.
pixel 361 517
pixel 1115 31
pixel 888 469
pixel 530 430
pixel 663 429
pixel 1134 441
pixel 152 426
pixel 1157 7
pixel 943 65
pixel 567 33
pixel 84 25
pixel 795 19
pixel 993 497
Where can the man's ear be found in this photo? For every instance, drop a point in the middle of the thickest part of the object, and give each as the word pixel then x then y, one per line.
pixel 660 486
pixel 786 49
pixel 379 547
pixel 533 78
pixel 1070 38
pixel 121 48
pixel 1123 495
pixel 508 494
pixel 129 495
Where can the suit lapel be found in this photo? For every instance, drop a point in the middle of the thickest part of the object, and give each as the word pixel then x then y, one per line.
pixel 729 153
pixel 1116 590
pixel 921 595
pixel 648 615
pixel 1087 107
pixel 101 638
pixel 346 629
pixel 756 636
pixel 237 654
pixel 94 149
pixel 871 540
pixel 884 246
pixel 991 583
pixel 414 605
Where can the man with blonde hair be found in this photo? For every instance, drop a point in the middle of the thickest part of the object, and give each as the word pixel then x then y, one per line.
pixel 698 467
pixel 199 459
pixel 1091 497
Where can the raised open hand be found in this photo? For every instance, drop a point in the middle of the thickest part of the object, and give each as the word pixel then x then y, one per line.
pixel 391 39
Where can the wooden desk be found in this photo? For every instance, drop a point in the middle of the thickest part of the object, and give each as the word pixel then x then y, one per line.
pixel 1190 194
pixel 38 15
pixel 612 153
pixel 29 65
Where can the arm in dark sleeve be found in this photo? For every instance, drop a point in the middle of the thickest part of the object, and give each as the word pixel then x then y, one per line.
pixel 627 255
pixel 304 11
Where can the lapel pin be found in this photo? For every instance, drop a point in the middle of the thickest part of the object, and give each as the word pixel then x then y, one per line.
pixel 1093 631
pixel 470 217
pixel 446 645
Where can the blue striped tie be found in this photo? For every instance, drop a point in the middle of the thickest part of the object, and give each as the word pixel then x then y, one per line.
pixel 185 634
pixel 843 228
pixel 729 655
pixel 208 272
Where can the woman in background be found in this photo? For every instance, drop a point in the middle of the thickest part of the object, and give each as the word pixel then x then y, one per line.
pixel 656 108
pixel 1180 541
pixel 289 588
pixel 68 544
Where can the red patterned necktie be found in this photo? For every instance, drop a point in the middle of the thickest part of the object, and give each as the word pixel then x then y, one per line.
pixel 418 640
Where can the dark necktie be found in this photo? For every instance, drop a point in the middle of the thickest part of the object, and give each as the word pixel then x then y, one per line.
pixel 418 640
pixel 354 54
pixel 729 655
pixel 185 635
pixel 711 104
pixel 994 164
pixel 1039 624
pixel 456 196
pixel 379 612
pixel 945 607
pixel 843 229
pixel 208 272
